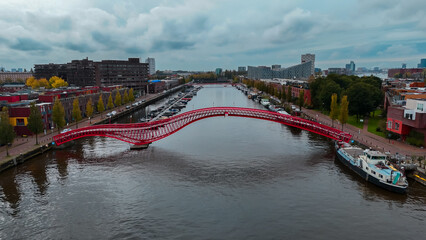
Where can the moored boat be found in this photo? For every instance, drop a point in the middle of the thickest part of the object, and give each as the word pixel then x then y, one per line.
pixel 373 167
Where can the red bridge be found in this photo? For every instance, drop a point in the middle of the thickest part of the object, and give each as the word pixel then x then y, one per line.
pixel 145 133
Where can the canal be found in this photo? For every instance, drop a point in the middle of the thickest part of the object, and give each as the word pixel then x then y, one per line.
pixel 218 178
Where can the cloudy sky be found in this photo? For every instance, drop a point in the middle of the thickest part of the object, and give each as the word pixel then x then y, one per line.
pixel 205 34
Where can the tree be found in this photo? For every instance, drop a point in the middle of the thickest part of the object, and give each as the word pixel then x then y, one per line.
pixel 301 99
pixel 110 104
pixel 343 116
pixel 32 82
pixel 89 109
pixel 361 97
pixel 58 114
pixel 101 106
pixel 43 83
pixel 289 94
pixel 7 134
pixel 125 97
pixel 117 100
pixel 334 111
pixel 76 112
pixel 35 122
pixel 57 82
pixel 131 96
pixel 283 95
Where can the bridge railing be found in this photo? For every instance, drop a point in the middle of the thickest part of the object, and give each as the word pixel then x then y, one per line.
pixel 142 133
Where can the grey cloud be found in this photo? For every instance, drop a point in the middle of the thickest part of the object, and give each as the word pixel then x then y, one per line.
pixel 28 44
pixel 134 50
pixel 104 39
pixel 80 47
pixel 162 45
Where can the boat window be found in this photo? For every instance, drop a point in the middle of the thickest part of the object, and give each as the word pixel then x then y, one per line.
pixel 366 168
pixel 373 172
pixel 380 175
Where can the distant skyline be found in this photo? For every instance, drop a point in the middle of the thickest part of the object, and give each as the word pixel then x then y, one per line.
pixel 210 34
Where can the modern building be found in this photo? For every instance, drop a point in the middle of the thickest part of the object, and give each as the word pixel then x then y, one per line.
pixel 350 68
pixel 400 72
pixel 276 67
pixel 340 71
pixel 309 58
pixel 242 69
pixel 218 71
pixel 151 65
pixel 404 119
pixel 131 73
pixel 301 71
pixel 422 63
pixel 404 66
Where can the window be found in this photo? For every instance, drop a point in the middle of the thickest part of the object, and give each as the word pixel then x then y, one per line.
pixel 420 106
pixel 390 124
pixel 20 122
pixel 380 175
pixel 373 172
pixel 396 126
pixel 366 168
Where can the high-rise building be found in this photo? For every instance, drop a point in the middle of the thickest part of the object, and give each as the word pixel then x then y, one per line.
pixel 404 66
pixel 218 71
pixel 422 63
pixel 350 68
pixel 309 58
pixel 151 65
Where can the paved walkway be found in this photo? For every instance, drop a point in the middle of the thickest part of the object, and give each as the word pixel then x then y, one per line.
pixel 22 145
pixel 367 138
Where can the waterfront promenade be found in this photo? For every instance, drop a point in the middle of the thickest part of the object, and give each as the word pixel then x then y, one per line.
pixel 22 145
pixel 369 139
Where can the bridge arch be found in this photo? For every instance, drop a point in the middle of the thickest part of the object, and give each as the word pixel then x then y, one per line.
pixel 145 133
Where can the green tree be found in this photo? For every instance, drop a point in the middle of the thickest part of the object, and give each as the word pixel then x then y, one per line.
pixel 110 105
pixel 7 134
pixel 334 111
pixel 89 109
pixel 362 99
pixel 301 99
pixel 76 112
pixel 131 96
pixel 58 114
pixel 283 95
pixel 117 100
pixel 101 106
pixel 289 94
pixel 35 122
pixel 125 97
pixel 343 116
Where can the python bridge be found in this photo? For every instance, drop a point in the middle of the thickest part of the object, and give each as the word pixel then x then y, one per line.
pixel 146 133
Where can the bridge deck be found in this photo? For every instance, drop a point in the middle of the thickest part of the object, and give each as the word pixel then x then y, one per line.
pixel 145 133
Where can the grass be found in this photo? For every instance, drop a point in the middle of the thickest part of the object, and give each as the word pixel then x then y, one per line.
pixel 374 123
pixel 352 121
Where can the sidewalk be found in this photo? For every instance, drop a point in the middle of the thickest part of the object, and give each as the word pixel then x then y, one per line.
pixel 21 145
pixel 367 138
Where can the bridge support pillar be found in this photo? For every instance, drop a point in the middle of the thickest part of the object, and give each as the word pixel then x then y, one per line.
pixel 139 147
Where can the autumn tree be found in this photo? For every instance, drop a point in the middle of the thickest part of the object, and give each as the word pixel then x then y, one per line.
pixel 343 116
pixel 89 109
pixel 42 82
pixel 117 100
pixel 110 105
pixel 334 111
pixel 101 106
pixel 131 96
pixel 32 82
pixel 35 122
pixel 7 134
pixel 76 112
pixel 58 114
pixel 125 97
pixel 57 82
